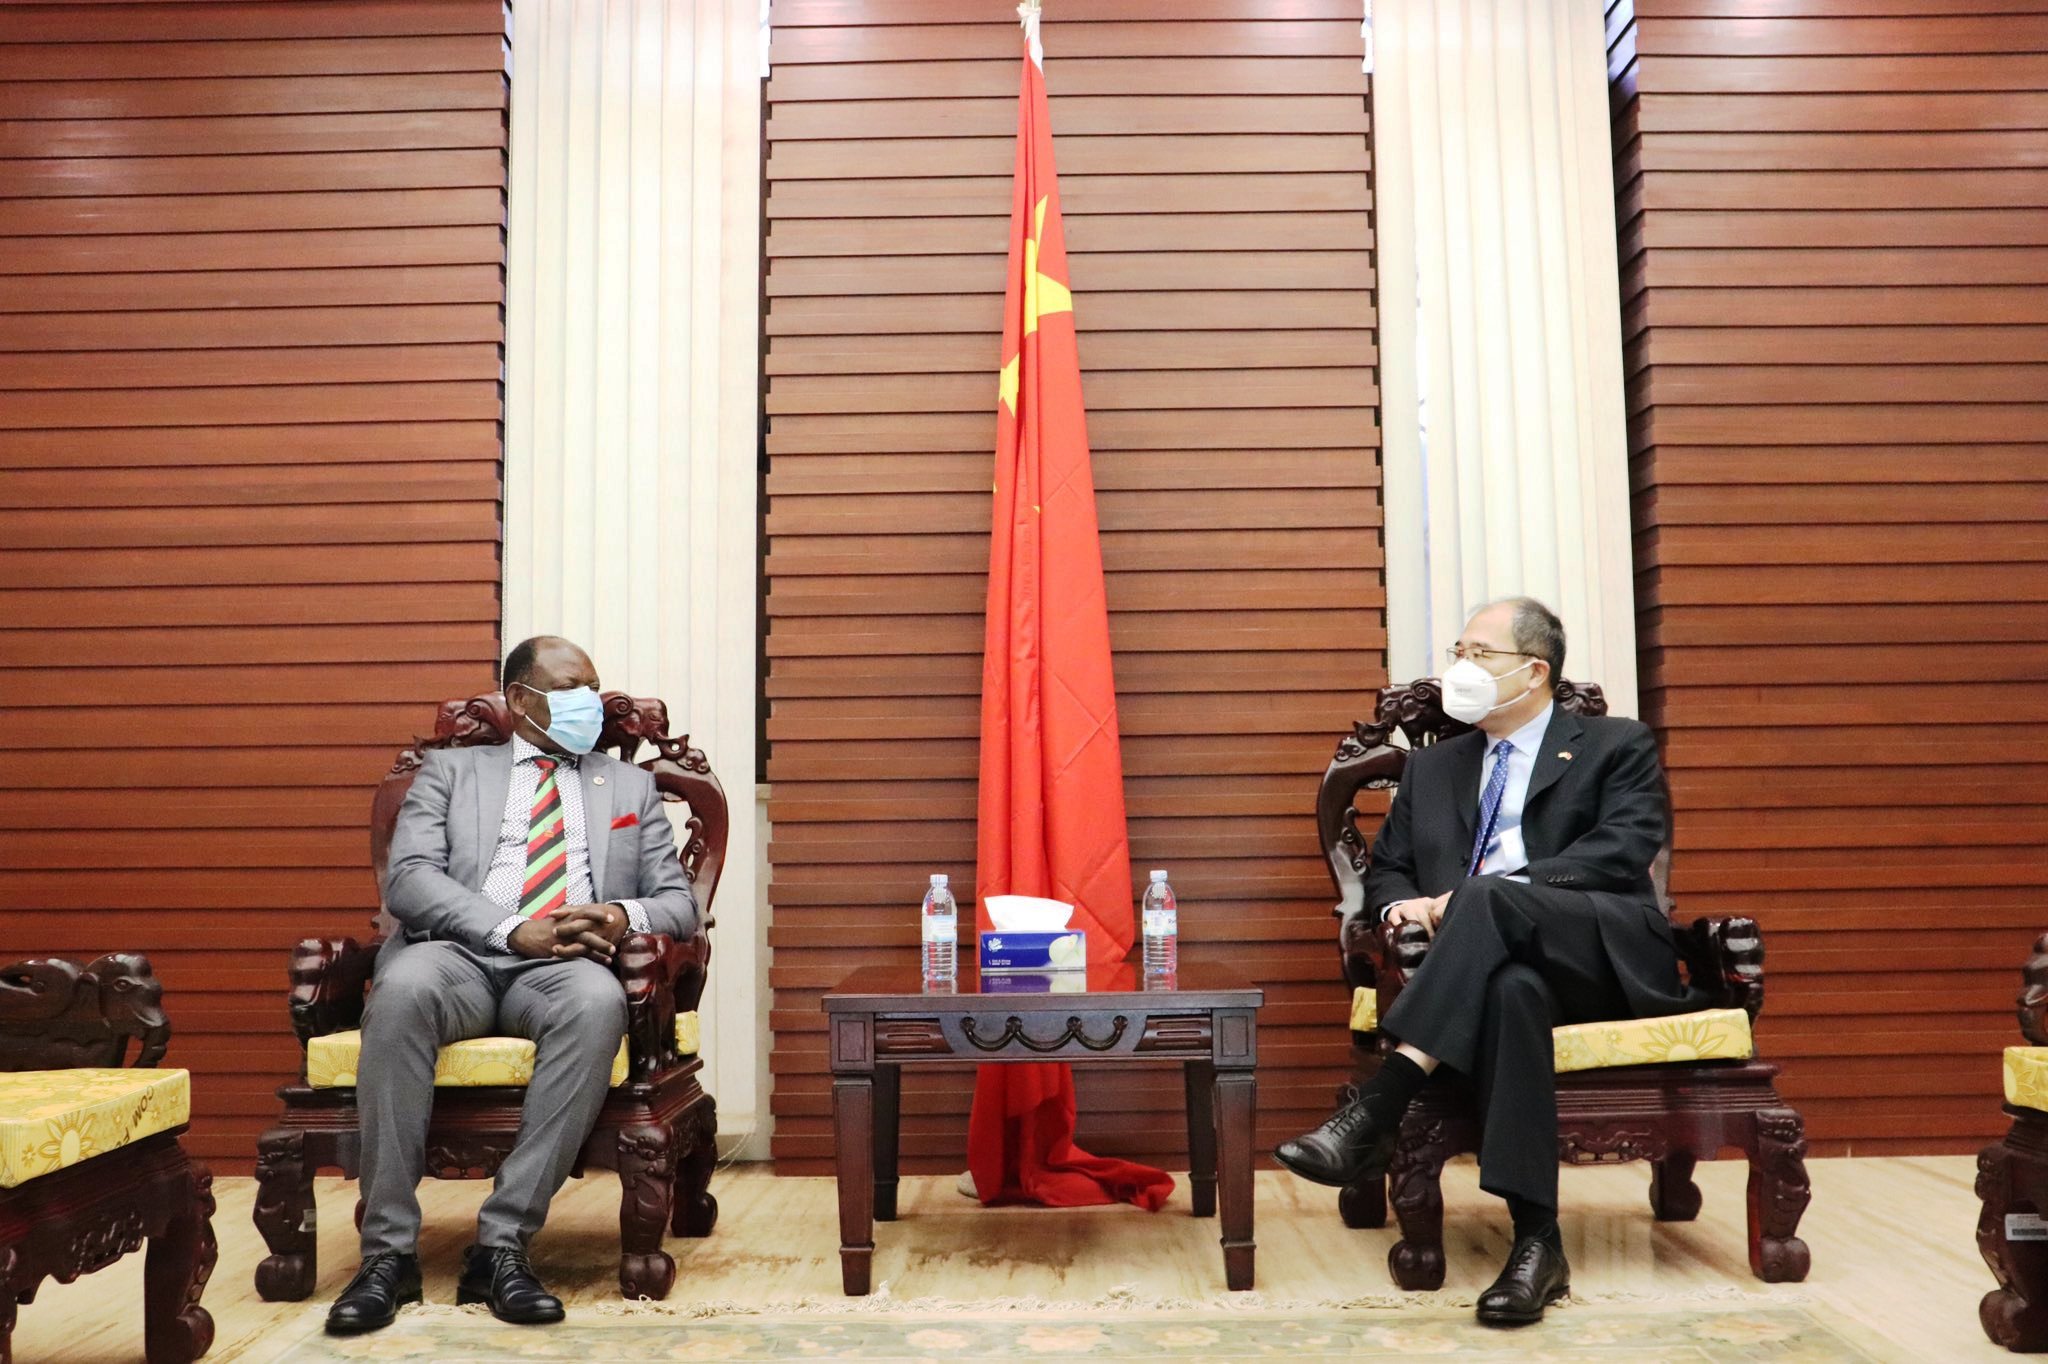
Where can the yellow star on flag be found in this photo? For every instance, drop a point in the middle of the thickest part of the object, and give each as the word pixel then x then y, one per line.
pixel 1043 296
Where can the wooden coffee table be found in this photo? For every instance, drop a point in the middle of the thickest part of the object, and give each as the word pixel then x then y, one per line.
pixel 882 1018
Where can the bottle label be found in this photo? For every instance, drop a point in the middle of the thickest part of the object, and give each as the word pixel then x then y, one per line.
pixel 1160 922
pixel 939 928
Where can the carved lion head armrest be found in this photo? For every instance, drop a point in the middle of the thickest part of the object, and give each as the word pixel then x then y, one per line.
pixel 55 1015
pixel 2033 1003
pixel 1358 948
pixel 647 965
pixel 330 980
pixel 1401 949
pixel 1724 958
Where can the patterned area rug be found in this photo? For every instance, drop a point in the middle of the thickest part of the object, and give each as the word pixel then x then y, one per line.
pixel 1732 1332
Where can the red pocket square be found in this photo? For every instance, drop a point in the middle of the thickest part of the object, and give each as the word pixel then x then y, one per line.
pixel 625 821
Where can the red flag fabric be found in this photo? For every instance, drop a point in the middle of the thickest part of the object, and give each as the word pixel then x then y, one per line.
pixel 1051 817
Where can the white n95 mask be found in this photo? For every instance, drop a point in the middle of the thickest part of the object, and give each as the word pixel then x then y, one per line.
pixel 1471 693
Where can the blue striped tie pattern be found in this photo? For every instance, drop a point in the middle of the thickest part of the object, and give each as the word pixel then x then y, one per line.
pixel 1489 805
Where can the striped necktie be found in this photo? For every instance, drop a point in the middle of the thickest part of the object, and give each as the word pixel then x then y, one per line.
pixel 547 848
pixel 1489 805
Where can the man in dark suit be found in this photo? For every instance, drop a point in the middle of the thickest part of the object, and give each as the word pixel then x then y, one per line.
pixel 1525 849
pixel 515 870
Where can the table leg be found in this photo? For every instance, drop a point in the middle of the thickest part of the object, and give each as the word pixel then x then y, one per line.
pixel 853 1121
pixel 1201 1100
pixel 1236 1102
pixel 888 1106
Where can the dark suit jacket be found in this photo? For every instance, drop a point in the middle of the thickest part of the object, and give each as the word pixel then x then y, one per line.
pixel 1592 823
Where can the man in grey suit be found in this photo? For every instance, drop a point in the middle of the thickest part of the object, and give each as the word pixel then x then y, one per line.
pixel 514 872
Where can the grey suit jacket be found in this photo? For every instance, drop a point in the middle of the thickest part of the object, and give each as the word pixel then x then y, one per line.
pixel 447 833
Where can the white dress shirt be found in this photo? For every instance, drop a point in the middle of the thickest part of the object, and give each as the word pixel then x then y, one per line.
pixel 1505 855
pixel 507 875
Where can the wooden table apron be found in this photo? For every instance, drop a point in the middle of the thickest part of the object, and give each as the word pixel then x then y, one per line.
pixel 880 1020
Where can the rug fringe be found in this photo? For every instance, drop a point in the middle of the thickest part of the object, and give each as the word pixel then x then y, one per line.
pixel 1121 1299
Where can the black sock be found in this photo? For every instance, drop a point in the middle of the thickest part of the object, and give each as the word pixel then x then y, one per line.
pixel 1535 1219
pixel 1387 1094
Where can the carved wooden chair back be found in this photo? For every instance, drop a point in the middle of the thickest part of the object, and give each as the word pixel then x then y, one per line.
pixel 1369 759
pixel 56 1015
pixel 681 773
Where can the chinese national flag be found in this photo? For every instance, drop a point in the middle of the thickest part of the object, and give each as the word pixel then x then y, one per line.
pixel 1051 820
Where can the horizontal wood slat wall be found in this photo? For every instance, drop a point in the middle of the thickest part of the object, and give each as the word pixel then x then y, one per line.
pixel 1835 282
pixel 250 347
pixel 1218 198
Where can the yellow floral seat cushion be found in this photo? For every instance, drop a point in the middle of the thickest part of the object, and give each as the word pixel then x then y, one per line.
pixel 1709 1035
pixel 331 1060
pixel 51 1119
pixel 2026 1077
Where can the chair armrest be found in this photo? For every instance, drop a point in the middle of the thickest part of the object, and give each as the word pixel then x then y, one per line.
pixel 1359 952
pixel 2033 1002
pixel 662 977
pixel 1380 958
pixel 1725 960
pixel 330 977
pixel 1401 948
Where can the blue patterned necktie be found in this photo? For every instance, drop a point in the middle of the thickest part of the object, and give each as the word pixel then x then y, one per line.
pixel 1489 805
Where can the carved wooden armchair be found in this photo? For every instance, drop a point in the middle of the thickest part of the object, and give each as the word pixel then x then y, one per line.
pixel 90 1163
pixel 1668 1090
pixel 657 1126
pixel 2012 1179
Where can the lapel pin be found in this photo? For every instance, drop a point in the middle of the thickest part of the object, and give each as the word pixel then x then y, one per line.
pixel 1564 753
pixel 599 781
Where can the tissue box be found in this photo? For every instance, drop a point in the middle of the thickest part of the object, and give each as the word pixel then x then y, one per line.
pixel 1007 950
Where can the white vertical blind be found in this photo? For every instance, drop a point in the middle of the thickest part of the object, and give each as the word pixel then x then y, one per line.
pixel 633 320
pixel 1504 437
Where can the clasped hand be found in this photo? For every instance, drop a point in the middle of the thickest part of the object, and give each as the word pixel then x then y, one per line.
pixel 1425 910
pixel 572 931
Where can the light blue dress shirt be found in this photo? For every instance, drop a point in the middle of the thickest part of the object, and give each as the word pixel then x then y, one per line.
pixel 1505 855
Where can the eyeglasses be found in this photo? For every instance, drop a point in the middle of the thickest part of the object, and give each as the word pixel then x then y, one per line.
pixel 1455 652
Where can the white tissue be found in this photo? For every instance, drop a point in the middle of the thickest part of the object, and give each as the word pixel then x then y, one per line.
pixel 1028 913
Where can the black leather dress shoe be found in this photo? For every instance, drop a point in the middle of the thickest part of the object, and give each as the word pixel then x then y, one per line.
pixel 386 1282
pixel 1535 1277
pixel 502 1277
pixel 1348 1147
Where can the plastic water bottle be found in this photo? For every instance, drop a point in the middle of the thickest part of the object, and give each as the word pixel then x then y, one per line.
pixel 1162 928
pixel 941 930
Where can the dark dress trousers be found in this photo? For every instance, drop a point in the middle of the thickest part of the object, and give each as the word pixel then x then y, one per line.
pixel 1584 940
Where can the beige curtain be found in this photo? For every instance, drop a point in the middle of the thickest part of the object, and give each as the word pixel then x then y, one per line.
pixel 632 320
pixel 1505 444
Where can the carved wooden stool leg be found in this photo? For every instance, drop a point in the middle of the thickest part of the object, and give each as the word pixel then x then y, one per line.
pixel 285 1215
pixel 696 1211
pixel 176 1329
pixel 1673 1195
pixel 1778 1195
pixel 647 1171
pixel 7 1258
pixel 1363 1205
pixel 1415 1181
pixel 2014 1314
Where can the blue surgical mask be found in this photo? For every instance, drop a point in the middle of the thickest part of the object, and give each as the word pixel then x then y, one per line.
pixel 575 717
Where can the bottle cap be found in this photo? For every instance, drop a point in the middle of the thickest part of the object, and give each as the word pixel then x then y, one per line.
pixel 1158 876
pixel 939 879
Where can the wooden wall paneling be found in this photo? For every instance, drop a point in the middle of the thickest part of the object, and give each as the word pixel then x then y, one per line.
pixel 250 349
pixel 1217 187
pixel 1835 320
